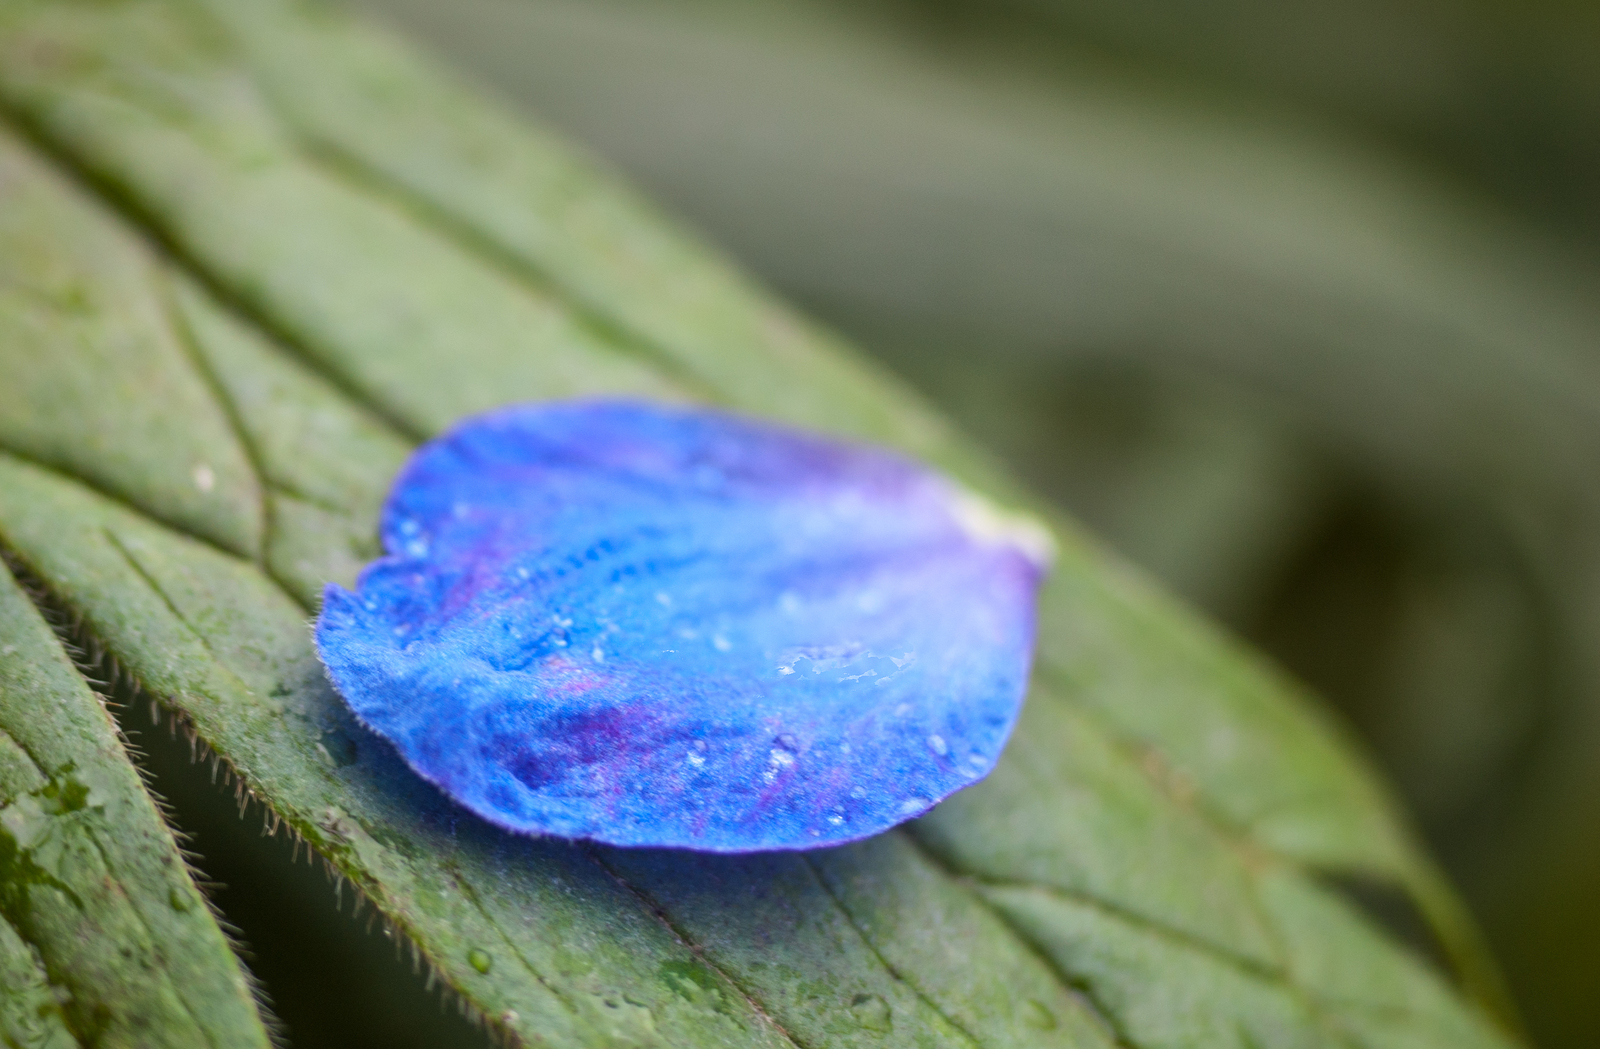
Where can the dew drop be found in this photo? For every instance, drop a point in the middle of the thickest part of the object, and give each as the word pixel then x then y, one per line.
pixel 338 748
pixel 695 984
pixel 179 900
pixel 204 478
pixel 780 756
pixel 479 960
pixel 871 1012
pixel 938 745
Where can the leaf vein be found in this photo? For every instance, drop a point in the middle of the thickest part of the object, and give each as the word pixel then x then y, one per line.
pixel 185 336
pixel 139 217
pixel 120 501
pixel 477 903
pixel 138 913
pixel 37 957
pixel 888 966
pixel 1072 985
pixel 695 948
pixel 339 163
pixel 1142 922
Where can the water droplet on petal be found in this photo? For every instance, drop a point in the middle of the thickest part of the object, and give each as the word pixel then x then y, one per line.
pixel 779 758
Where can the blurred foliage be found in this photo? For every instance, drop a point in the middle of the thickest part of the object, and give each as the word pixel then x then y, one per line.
pixel 1294 303
pixel 1504 95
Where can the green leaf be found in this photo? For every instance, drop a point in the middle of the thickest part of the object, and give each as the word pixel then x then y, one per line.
pixel 350 253
pixel 104 938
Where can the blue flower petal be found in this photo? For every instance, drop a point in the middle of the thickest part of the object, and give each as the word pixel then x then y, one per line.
pixel 645 625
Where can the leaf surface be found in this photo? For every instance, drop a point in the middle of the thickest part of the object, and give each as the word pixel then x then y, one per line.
pixel 320 253
pixel 104 938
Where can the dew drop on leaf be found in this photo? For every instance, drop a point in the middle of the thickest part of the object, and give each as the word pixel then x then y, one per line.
pixel 695 984
pixel 871 1013
pixel 339 749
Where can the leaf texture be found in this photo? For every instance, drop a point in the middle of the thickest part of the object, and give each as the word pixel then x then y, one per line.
pixel 268 242
pixel 104 938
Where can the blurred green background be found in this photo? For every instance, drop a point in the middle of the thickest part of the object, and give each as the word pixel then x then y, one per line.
pixel 1293 302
